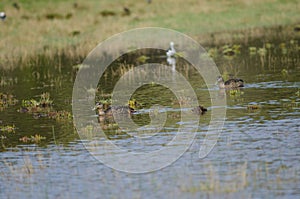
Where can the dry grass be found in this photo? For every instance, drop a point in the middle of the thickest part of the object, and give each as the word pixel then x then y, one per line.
pixel 54 27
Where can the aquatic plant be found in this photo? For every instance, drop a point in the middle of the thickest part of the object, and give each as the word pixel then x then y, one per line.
pixel 33 138
pixel 2 137
pixel 253 107
pixel 7 100
pixel 43 108
pixel 60 115
pixel 231 51
pixel 252 50
pixel 284 73
pixel 45 100
pixel 142 59
pixel 44 104
pixel 212 52
pixel 132 103
pixel 8 128
pixel 298 93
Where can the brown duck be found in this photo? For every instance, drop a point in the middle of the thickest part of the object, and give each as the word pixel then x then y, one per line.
pixel 231 83
pixel 200 110
pixel 109 111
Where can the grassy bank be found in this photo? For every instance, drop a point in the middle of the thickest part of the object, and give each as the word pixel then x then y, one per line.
pixel 75 27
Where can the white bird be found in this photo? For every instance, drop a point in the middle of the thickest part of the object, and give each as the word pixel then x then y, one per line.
pixel 171 51
pixel 2 15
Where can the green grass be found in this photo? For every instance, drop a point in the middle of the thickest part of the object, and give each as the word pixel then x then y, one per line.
pixel 54 26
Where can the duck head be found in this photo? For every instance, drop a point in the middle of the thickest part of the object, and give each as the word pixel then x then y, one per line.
pixel 220 82
pixel 99 108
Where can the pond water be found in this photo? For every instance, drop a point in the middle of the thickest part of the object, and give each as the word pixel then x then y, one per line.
pixel 257 154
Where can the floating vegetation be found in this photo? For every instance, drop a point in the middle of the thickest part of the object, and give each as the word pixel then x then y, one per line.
pixel 284 73
pixel 8 128
pixel 253 107
pixel 7 100
pixel 45 100
pixel 226 51
pixel 252 50
pixel 262 52
pixel 236 95
pixel 236 92
pixel 34 138
pixel 142 59
pixel 43 108
pixel 213 52
pixel 283 48
pixel 269 45
pixel 2 137
pixel 105 102
pixel 132 103
pixel 230 51
pixel 60 115
pixel 33 106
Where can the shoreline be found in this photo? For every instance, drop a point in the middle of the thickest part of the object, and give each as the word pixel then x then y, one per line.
pixel 76 54
pixel 73 29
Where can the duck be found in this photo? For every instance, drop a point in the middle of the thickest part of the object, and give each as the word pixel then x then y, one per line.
pixel 116 109
pixel 171 51
pixel 200 110
pixel 231 83
pixel 119 110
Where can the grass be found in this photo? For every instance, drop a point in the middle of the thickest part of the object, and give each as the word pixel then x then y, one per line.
pixel 46 27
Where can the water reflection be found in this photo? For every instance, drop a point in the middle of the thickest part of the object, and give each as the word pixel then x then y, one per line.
pixel 172 62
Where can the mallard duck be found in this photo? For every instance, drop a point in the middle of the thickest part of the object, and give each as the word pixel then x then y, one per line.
pixel 119 110
pixel 109 111
pixel 200 110
pixel 231 83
